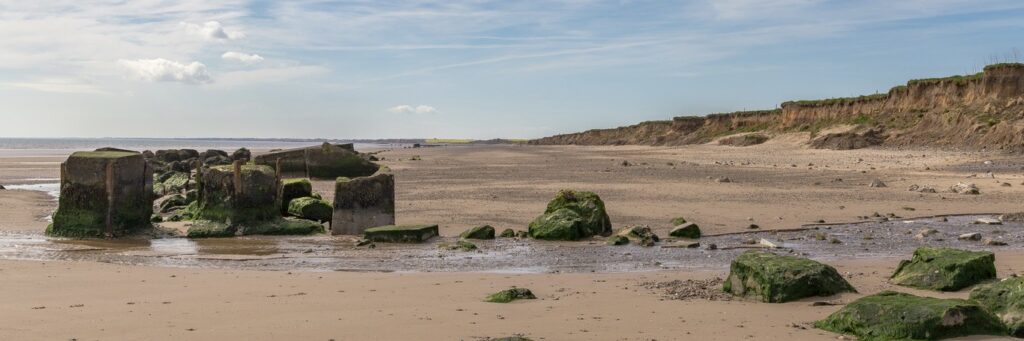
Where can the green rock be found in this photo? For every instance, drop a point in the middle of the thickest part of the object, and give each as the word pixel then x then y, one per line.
pixel 460 245
pixel 617 240
pixel 173 182
pixel 945 269
pixel 641 234
pixel 508 233
pixel 401 233
pixel 572 215
pixel 156 218
pixel 86 208
pixel 283 227
pixel 294 189
pixel 479 232
pixel 173 202
pixel 522 234
pixel 775 279
pixel 210 229
pixel 509 295
pixel 1005 299
pixel 311 208
pixel 678 221
pixel 686 230
pixel 898 316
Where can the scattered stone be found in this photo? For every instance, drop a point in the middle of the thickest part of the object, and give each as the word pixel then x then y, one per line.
pixel 975 236
pixel 678 221
pixel 690 289
pixel 572 215
pixel 766 243
pixel 723 180
pixel 642 234
pixel 242 154
pixel 945 269
pixel 775 279
pixel 988 221
pixel 508 233
pixel 401 233
pixel 993 242
pixel 965 188
pixel 1006 184
pixel 877 183
pixel 926 233
pixel 522 234
pixel 617 240
pixel 1005 299
pixel 753 227
pixel 686 230
pixel 479 232
pixel 891 315
pixel 1012 217
pixel 173 202
pixel 509 295
pixel 460 245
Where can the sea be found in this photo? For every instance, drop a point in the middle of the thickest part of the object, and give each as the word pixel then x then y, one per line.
pixel 12 147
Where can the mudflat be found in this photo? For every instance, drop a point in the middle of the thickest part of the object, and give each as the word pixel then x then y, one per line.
pixel 776 185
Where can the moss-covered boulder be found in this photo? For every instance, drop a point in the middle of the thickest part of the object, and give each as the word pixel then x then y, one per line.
pixel 572 215
pixel 211 229
pixel 282 227
pixel 509 295
pixel 326 161
pixel 103 194
pixel 294 189
pixel 945 269
pixel 898 316
pixel 363 202
pixel 640 234
pixel 249 194
pixel 171 182
pixel 401 233
pixel 508 233
pixel 617 240
pixel 311 208
pixel 1005 299
pixel 774 279
pixel 479 232
pixel 173 202
pixel 460 245
pixel 685 230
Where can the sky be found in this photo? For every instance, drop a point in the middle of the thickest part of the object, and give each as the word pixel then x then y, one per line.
pixel 462 69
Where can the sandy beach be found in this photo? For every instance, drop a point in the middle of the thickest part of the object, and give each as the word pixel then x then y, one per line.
pixel 777 185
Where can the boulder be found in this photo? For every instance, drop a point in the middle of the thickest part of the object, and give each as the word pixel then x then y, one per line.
pixel 508 233
pixel 973 236
pixel 238 193
pixel 210 229
pixel 892 315
pixel 364 202
pixel 326 161
pixel 509 295
pixel 311 208
pixel 640 234
pixel 292 189
pixel 103 194
pixel 479 232
pixel 281 227
pixel 173 202
pixel 945 269
pixel 617 240
pixel 572 215
pixel 1005 299
pixel 401 233
pixel 171 182
pixel 774 279
pixel 241 154
pixel 685 230
pixel 965 188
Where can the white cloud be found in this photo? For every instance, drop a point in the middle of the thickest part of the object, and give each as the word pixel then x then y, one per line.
pixel 242 57
pixel 212 30
pixel 408 109
pixel 163 70
pixel 268 75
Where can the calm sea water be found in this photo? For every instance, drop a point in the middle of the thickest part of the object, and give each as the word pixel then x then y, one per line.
pixel 61 146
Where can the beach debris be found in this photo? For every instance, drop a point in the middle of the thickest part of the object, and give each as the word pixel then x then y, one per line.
pixel 891 315
pixel 690 289
pixel 921 189
pixel 965 188
pixel 685 230
pixel 775 279
pixel 753 227
pixel 509 295
pixel 572 215
pixel 1012 217
pixel 642 234
pixel 974 236
pixel 294 189
pixel 311 208
pixel 479 232
pixel 723 179
pixel 944 269
pixel 363 202
pixel 1005 299
pixel 103 194
pixel 326 161
pixel 617 240
pixel 924 233
pixel 993 242
pixel 877 183
pixel 988 221
pixel 401 233
pixel 508 233
pixel 767 243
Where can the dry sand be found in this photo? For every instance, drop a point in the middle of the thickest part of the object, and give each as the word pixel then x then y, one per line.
pixel 507 186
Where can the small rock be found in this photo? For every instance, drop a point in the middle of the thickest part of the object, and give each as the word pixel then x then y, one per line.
pixel 988 221
pixel 877 183
pixel 767 243
pixel 975 236
pixel 965 188
pixel 723 180
pixel 993 242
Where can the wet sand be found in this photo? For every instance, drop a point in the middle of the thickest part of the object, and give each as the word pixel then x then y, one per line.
pixel 507 186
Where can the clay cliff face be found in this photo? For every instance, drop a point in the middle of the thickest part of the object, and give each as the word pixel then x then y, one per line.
pixel 985 110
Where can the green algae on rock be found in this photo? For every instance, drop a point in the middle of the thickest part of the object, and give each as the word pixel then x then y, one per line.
pixel 479 232
pixel 686 230
pixel 311 208
pixel 103 194
pixel 508 233
pixel 639 233
pixel 509 295
pixel 898 316
pixel 326 161
pixel 572 215
pixel 1005 299
pixel 293 189
pixel 775 279
pixel 617 240
pixel 210 229
pixel 401 233
pixel 945 269
pixel 460 245
pixel 249 196
pixel 283 227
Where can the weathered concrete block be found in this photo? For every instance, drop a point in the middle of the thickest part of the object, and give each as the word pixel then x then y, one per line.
pixel 326 161
pixel 103 194
pixel 401 233
pixel 362 203
pixel 238 194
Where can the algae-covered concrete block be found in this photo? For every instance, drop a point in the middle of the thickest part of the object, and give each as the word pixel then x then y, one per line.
pixel 945 269
pixel 365 202
pixel 292 189
pixel 401 233
pixel 1005 299
pixel 774 279
pixel 326 161
pixel 310 208
pixel 238 194
pixel 103 194
pixel 898 316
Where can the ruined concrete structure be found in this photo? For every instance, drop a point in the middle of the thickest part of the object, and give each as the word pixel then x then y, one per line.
pixel 238 193
pixel 363 202
pixel 104 193
pixel 327 161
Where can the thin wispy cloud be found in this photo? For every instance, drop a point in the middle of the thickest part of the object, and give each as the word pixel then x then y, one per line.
pixel 242 57
pixel 408 109
pixel 212 30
